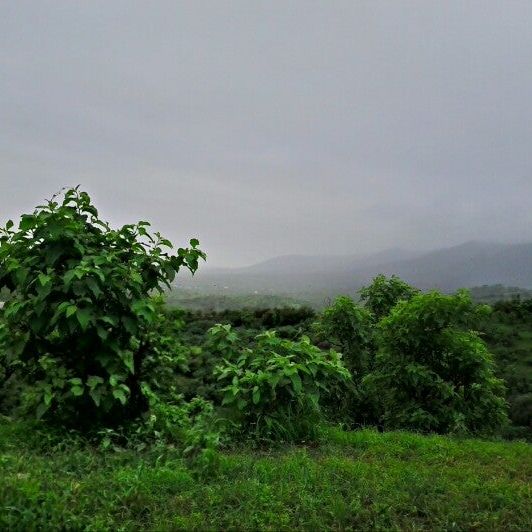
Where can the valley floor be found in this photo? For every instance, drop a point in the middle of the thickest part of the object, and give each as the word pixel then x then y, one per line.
pixel 350 480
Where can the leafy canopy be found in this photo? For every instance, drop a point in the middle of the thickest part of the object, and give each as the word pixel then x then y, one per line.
pixel 79 307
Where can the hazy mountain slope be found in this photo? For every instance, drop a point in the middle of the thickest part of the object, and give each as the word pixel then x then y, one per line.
pixel 466 265
pixel 308 264
pixel 470 264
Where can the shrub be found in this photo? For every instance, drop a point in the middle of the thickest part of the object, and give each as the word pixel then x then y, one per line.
pixel 384 293
pixel 348 326
pixel 79 316
pixel 276 385
pixel 432 374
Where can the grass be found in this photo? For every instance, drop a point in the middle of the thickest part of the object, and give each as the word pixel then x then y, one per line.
pixel 350 480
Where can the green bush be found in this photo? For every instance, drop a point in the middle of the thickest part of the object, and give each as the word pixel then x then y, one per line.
pixel 348 326
pixel 384 293
pixel 432 374
pixel 79 314
pixel 276 384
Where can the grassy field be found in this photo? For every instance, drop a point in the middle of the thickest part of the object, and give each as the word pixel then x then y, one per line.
pixel 350 480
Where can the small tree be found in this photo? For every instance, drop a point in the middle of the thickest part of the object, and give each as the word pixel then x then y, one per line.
pixel 79 311
pixel 384 293
pixel 433 374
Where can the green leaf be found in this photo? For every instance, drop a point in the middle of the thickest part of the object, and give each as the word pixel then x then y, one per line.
pixel 94 287
pixel 296 381
pixel 44 279
pixel 76 390
pixel 94 380
pixel 43 292
pixel 120 395
pixel 48 396
pixel 111 320
pixel 127 358
pixel 256 395
pixel 102 333
pixel 69 276
pixel 194 242
pixel 27 222
pixel 96 395
pixel 42 408
pixel 71 310
pixel 130 325
pixel 135 276
pixel 84 316
pixel 228 399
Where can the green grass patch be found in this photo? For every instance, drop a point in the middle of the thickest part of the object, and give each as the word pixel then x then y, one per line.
pixel 351 480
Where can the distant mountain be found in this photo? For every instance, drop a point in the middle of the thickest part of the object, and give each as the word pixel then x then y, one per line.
pixel 466 265
pixel 316 264
pixel 470 264
pixel 303 263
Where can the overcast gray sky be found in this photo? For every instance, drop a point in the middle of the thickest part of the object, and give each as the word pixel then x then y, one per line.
pixel 275 127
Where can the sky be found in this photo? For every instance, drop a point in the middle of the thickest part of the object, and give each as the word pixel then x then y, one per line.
pixel 275 127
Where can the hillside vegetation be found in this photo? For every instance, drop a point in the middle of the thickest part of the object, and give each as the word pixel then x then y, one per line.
pixel 117 411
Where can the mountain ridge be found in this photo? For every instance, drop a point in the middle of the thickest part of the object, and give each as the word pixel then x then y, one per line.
pixel 473 263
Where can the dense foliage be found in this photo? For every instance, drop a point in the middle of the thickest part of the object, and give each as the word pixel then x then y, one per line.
pixel 432 373
pixel 78 318
pixel 348 326
pixel 508 332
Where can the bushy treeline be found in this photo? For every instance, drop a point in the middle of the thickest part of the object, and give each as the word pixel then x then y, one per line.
pixel 85 344
pixel 506 329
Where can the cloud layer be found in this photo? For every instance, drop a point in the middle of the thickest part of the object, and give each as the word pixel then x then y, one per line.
pixel 269 128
